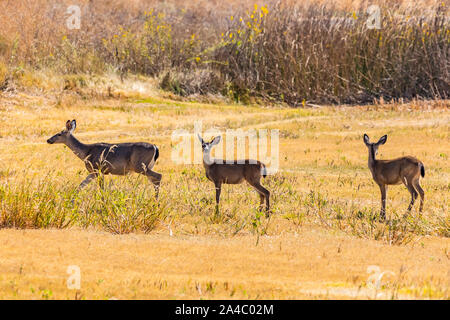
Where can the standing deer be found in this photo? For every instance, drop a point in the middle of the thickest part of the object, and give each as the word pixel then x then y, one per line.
pixel 116 159
pixel 220 172
pixel 390 172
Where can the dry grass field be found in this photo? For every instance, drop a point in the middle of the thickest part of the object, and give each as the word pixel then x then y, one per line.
pixel 321 241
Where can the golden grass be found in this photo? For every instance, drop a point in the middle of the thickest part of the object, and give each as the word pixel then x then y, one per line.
pixel 310 264
pixel 323 201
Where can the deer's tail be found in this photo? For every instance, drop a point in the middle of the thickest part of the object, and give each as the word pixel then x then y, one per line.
pixel 422 169
pixel 263 170
pixel 156 155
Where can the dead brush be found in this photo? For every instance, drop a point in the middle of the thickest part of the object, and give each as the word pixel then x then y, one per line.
pixel 119 211
pixel 201 82
pixel 325 55
pixel 34 204
pixel 362 221
pixel 44 204
pixel 394 231
pixel 283 52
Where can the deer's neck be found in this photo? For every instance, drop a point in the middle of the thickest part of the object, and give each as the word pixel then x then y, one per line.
pixel 207 160
pixel 80 149
pixel 372 159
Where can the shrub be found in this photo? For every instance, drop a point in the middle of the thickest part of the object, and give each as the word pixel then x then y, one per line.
pixel 284 52
pixel 200 81
pixel 3 75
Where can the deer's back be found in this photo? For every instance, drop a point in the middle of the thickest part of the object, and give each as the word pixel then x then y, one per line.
pixel 396 170
pixel 234 173
pixel 120 158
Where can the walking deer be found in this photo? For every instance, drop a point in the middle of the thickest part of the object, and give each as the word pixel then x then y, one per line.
pixel 115 159
pixel 220 172
pixel 405 170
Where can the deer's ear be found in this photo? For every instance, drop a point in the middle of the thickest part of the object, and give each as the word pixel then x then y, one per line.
pixel 73 125
pixel 382 140
pixel 366 139
pixel 200 138
pixel 68 125
pixel 215 141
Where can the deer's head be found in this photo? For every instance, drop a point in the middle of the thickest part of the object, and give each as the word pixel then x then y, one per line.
pixel 374 146
pixel 62 136
pixel 206 147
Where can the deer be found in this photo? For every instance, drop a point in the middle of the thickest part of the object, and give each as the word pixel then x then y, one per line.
pixel 406 170
pixel 220 173
pixel 115 159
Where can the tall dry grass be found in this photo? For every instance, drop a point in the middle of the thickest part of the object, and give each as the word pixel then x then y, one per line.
pixel 129 206
pixel 315 51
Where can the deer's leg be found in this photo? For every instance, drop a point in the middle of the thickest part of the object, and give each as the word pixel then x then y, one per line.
pixel 422 194
pixel 262 196
pixel 383 202
pixel 261 201
pixel 267 195
pixel 218 186
pixel 86 181
pixel 413 195
pixel 154 178
pixel 264 193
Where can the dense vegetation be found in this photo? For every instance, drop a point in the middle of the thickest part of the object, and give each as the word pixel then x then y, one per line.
pixel 297 54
